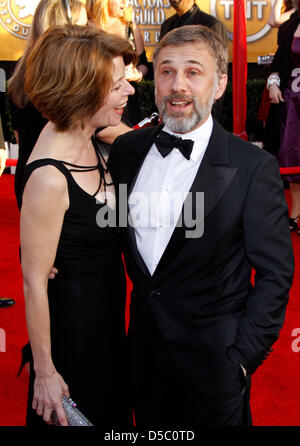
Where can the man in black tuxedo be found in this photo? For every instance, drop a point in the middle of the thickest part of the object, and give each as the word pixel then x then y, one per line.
pixel 188 13
pixel 199 327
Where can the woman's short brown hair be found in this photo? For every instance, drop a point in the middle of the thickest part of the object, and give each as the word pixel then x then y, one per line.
pixel 69 72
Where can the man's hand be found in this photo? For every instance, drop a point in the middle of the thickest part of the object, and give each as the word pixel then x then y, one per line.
pixel 53 273
pixel 110 133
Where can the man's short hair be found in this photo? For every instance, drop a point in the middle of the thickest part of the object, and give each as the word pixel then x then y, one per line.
pixel 69 72
pixel 196 34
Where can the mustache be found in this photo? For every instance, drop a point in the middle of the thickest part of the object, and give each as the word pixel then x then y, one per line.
pixel 178 97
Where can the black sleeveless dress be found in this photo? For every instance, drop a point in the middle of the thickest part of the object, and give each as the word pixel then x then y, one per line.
pixel 87 307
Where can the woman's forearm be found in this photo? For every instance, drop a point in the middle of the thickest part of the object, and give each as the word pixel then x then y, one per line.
pixel 38 326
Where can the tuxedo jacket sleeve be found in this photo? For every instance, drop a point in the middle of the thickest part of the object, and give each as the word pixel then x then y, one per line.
pixel 259 327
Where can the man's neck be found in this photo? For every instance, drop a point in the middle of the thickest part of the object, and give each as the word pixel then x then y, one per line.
pixel 182 9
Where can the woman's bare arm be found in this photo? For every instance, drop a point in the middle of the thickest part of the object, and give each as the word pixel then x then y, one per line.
pixel 45 201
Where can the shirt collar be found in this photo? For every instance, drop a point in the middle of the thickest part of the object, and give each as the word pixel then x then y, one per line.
pixel 200 136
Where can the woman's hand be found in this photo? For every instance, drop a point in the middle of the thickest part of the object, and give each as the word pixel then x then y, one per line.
pixel 48 391
pixel 275 94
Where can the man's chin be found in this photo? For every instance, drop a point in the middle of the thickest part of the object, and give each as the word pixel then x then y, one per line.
pixel 181 123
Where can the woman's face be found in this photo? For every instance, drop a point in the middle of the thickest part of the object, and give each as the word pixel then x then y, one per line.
pixel 112 110
pixel 116 8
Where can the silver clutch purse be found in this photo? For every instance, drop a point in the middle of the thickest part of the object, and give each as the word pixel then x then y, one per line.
pixel 74 416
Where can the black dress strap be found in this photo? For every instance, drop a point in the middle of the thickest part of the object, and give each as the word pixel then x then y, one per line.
pixel 103 169
pixel 29 168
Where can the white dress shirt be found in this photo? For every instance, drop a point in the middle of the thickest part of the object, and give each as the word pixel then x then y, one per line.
pixel 158 195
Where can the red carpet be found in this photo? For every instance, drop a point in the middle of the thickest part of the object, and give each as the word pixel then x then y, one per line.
pixel 275 385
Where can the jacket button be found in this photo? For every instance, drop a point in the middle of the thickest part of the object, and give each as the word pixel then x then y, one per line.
pixel 154 293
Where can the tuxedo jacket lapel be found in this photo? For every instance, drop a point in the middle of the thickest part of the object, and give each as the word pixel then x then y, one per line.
pixel 213 177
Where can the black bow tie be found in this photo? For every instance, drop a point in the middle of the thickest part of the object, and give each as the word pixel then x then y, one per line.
pixel 165 143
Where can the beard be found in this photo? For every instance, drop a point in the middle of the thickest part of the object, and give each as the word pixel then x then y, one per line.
pixel 180 122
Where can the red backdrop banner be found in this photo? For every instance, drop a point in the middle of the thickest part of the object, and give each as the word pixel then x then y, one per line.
pixel 239 70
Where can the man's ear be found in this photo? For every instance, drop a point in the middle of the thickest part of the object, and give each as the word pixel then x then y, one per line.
pixel 222 84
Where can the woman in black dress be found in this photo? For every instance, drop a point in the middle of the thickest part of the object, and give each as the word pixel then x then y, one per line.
pixel 75 76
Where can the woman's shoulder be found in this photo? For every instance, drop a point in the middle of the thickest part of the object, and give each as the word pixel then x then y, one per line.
pixel 45 176
pixel 45 188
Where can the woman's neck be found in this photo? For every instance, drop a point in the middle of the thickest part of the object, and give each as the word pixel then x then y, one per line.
pixel 72 145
